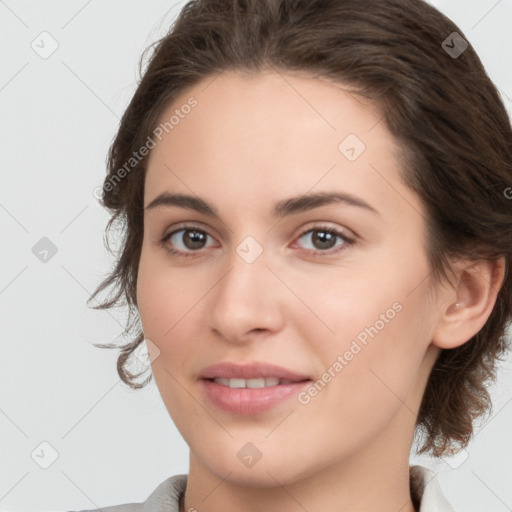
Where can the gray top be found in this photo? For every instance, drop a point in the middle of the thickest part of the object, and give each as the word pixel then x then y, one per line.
pixel 425 490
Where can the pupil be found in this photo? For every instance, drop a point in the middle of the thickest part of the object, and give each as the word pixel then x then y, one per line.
pixel 195 239
pixel 322 237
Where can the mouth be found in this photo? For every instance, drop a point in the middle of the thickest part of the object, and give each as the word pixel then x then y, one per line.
pixel 250 388
pixel 254 383
pixel 251 373
pixel 251 396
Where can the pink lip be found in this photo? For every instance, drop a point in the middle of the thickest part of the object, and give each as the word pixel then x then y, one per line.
pixel 229 370
pixel 250 401
pixel 247 400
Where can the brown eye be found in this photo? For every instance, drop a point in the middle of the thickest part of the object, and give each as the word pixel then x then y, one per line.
pixel 323 239
pixel 185 241
pixel 192 239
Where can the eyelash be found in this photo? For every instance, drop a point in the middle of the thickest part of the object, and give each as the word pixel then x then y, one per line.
pixel 348 241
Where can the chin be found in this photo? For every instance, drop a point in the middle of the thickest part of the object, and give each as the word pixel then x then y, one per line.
pixel 270 470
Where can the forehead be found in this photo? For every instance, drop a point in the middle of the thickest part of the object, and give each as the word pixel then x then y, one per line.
pixel 265 109
pixel 253 136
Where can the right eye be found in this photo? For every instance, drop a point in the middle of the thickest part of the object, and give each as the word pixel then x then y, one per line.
pixel 191 238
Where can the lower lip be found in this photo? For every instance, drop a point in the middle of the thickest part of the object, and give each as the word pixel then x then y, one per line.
pixel 250 400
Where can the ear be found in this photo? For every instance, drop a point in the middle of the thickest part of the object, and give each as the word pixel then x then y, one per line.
pixel 467 306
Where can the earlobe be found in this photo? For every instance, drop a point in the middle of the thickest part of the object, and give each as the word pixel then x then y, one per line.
pixel 463 316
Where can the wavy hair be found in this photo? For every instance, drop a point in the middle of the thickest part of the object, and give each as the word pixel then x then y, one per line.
pixel 435 97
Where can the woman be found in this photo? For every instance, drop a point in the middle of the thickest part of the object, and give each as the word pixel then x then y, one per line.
pixel 316 204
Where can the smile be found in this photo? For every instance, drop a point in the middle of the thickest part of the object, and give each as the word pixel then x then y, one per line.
pixel 250 396
pixel 258 382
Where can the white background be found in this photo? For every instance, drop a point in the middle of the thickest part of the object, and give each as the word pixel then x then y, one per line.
pixel 58 116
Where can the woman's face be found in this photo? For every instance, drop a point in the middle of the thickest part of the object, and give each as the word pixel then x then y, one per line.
pixel 332 290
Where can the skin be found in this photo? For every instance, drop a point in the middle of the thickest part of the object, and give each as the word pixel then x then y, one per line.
pixel 252 141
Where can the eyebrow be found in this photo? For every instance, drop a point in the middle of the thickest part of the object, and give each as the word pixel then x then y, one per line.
pixel 285 207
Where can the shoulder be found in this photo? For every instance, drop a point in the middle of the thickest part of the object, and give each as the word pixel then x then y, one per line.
pixel 165 498
pixel 426 491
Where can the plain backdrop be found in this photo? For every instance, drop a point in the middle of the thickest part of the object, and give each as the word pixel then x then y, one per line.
pixel 62 404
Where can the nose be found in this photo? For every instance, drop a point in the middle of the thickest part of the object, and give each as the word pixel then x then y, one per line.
pixel 247 301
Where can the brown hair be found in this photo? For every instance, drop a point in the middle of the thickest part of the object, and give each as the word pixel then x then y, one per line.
pixel 443 109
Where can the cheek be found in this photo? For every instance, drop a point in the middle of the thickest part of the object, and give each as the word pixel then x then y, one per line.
pixel 369 372
pixel 164 296
pixel 166 309
pixel 171 308
pixel 369 332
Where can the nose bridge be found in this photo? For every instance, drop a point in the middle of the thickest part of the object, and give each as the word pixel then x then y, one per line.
pixel 247 265
pixel 245 297
pixel 248 272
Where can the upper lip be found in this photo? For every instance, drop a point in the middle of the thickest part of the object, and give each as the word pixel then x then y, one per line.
pixel 253 370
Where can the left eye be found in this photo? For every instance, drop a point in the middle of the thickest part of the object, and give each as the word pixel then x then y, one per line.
pixel 325 238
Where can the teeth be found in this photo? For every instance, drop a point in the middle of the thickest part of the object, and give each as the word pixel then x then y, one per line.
pixel 261 382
